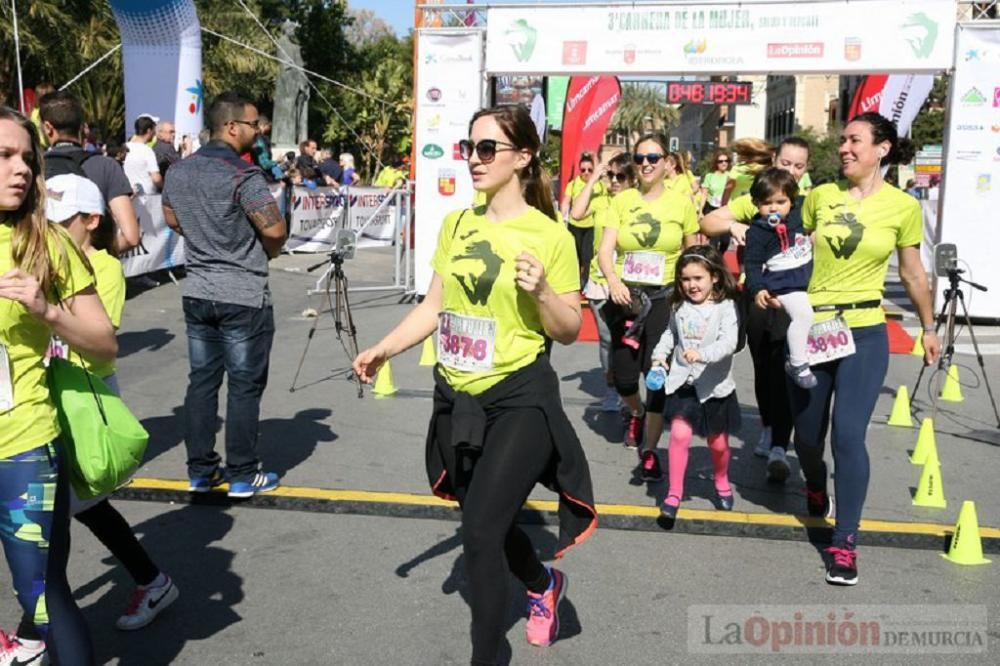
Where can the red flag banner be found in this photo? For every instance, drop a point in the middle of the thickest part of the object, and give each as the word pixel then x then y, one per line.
pixel 591 102
pixel 868 96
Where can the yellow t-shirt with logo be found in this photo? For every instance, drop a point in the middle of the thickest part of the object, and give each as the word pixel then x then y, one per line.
pixel 598 201
pixel 652 226
pixel 110 278
pixel 743 208
pixel 854 240
pixel 476 261
pixel 33 421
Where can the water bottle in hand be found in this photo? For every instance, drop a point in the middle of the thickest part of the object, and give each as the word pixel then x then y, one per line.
pixel 656 378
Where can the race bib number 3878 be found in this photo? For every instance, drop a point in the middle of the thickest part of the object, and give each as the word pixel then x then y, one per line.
pixel 466 343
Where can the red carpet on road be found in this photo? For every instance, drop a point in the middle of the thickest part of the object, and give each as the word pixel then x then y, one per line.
pixel 900 341
pixel 588 330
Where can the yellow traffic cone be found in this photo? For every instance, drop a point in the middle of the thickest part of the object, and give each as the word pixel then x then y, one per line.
pixel 918 345
pixel 966 546
pixel 428 356
pixel 930 492
pixel 952 390
pixel 900 415
pixel 926 447
pixel 383 381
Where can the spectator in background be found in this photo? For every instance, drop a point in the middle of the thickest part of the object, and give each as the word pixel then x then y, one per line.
pixel 330 170
pixel 350 175
pixel 140 163
pixel 306 161
pixel 41 90
pixel 117 152
pixel 166 153
pixel 392 175
pixel 62 122
pixel 261 150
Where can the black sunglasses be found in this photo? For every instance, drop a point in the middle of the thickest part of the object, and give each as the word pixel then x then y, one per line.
pixel 252 123
pixel 652 158
pixel 486 149
pixel 617 175
pixel 722 159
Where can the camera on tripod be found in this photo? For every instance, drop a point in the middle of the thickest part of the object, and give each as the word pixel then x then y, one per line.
pixel 946 260
pixel 347 243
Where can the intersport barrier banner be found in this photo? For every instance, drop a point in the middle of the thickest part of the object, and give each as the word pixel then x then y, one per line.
pixel 161 54
pixel 590 104
pixel 733 37
pixel 317 214
pixel 160 247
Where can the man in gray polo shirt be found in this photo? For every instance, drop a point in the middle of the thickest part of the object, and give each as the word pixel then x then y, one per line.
pixel 231 227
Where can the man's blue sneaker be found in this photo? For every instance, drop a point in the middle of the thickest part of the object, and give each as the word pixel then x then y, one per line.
pixel 202 484
pixel 262 482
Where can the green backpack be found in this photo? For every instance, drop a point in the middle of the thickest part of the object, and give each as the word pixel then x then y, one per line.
pixel 104 442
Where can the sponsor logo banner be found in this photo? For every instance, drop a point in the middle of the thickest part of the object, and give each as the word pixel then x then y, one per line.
pixel 795 50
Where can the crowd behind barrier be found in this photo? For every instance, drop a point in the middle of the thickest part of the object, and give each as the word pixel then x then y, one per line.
pixel 314 215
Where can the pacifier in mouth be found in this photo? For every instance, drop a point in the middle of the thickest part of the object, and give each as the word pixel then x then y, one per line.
pixel 774 219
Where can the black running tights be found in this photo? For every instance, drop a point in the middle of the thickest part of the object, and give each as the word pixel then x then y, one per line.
pixel 491 490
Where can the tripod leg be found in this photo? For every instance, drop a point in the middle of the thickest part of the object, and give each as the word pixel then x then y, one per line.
pixel 979 357
pixel 305 350
pixel 937 329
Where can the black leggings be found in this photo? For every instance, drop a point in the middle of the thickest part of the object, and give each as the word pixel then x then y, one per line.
pixel 628 363
pixel 766 341
pixel 584 239
pixel 112 530
pixel 491 489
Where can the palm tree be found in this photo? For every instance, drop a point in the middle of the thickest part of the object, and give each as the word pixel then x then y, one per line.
pixel 642 108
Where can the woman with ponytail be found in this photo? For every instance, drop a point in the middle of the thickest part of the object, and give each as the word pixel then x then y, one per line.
pixel 46 288
pixel 858 223
pixel 505 282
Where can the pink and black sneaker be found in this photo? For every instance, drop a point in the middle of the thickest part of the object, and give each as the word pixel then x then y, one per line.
pixel 543 611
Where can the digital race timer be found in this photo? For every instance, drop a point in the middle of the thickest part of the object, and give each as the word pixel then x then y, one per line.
pixel 709 92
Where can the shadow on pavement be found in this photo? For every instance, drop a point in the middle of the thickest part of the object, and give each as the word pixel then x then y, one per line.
pixel 182 542
pixel 591 381
pixel 152 339
pixel 545 543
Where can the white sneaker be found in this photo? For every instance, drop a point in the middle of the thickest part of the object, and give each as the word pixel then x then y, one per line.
pixel 146 603
pixel 610 401
pixel 763 448
pixel 778 468
pixel 15 653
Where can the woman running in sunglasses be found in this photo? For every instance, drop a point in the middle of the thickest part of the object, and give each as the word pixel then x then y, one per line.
pixel 646 229
pixel 505 282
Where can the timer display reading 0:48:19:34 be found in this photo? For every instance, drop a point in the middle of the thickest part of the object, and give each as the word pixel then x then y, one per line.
pixel 709 92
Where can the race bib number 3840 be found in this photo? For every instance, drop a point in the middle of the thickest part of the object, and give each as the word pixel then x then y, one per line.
pixel 829 340
pixel 466 343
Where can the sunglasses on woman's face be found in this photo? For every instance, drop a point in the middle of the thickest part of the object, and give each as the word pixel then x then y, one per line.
pixel 617 175
pixel 486 150
pixel 652 158
pixel 586 169
pixel 723 161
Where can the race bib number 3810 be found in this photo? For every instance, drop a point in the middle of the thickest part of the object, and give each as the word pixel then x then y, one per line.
pixel 829 340
pixel 466 343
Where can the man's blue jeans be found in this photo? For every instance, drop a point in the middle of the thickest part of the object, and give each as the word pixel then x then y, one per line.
pixel 235 339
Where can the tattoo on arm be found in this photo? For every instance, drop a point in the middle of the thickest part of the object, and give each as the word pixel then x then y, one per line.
pixel 266 217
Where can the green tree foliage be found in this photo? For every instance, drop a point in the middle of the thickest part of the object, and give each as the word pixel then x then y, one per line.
pixel 60 38
pixel 642 109
pixel 928 126
pixel 824 160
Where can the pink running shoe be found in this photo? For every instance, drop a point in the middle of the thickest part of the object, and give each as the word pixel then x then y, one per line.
pixel 13 651
pixel 543 611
